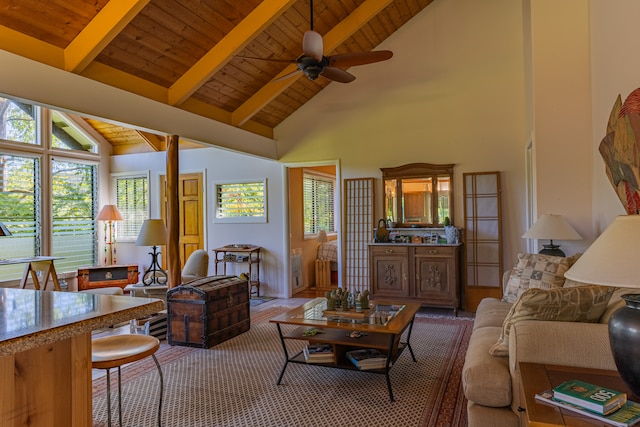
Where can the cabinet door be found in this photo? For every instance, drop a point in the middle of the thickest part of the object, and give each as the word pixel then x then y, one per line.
pixel 435 275
pixel 389 271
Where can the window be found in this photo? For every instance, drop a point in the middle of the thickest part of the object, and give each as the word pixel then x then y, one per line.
pixel 47 196
pixel 73 209
pixel 132 200
pixel 241 202
pixel 319 207
pixel 17 122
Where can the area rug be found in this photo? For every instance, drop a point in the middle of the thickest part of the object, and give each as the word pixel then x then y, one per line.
pixel 259 300
pixel 234 384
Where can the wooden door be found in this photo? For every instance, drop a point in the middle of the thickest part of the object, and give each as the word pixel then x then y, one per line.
pixel 483 244
pixel 190 199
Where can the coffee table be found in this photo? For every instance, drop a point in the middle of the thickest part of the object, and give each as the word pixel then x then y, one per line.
pixel 381 327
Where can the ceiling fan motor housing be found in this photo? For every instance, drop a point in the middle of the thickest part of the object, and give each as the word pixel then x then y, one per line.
pixel 311 67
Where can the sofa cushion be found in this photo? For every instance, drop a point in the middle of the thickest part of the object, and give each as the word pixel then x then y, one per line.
pixel 491 312
pixel 486 380
pixel 575 304
pixel 615 302
pixel 536 271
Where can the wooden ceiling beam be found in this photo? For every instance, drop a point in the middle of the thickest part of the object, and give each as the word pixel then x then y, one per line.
pixel 30 47
pixel 102 29
pixel 157 143
pixel 262 16
pixel 337 35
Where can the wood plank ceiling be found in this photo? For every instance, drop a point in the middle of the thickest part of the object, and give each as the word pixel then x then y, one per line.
pixel 186 52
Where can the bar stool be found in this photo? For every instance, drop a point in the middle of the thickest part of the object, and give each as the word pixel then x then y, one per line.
pixel 116 350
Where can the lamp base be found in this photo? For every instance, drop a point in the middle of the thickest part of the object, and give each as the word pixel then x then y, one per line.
pixel 553 250
pixel 624 338
pixel 154 275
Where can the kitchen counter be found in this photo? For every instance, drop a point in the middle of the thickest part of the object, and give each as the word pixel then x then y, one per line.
pixel 45 352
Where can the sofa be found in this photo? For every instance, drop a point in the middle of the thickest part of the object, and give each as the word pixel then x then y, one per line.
pixel 542 318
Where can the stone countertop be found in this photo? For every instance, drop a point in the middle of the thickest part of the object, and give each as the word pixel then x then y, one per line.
pixel 30 318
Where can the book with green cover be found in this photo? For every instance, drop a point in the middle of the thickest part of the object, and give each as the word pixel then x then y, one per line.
pixel 592 397
pixel 628 415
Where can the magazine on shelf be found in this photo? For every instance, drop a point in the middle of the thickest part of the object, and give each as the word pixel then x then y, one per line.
pixel 368 358
pixel 318 353
pixel 628 415
pixel 590 396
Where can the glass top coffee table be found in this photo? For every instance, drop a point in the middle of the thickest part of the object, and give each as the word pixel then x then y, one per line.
pixel 377 329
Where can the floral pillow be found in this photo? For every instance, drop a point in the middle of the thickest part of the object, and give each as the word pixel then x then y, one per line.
pixel 576 304
pixel 536 271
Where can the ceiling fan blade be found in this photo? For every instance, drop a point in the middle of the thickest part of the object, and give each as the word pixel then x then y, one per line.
pixel 337 75
pixel 288 61
pixel 286 76
pixel 347 60
pixel 312 45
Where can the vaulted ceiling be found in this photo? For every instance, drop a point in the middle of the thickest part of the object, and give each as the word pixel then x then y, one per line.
pixel 187 53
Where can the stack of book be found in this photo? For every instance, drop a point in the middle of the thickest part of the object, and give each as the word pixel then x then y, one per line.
pixel 368 358
pixel 597 402
pixel 319 353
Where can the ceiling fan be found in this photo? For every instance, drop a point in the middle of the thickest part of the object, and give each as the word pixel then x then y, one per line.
pixel 313 63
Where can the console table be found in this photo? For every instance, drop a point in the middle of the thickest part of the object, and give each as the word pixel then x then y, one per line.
pixel 45 352
pixel 238 253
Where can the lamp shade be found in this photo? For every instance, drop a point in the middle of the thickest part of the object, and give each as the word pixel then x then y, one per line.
pixel 4 231
pixel 152 233
pixel 552 227
pixel 613 259
pixel 109 213
pixel 322 236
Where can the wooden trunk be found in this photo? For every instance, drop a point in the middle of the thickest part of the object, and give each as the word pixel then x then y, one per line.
pixel 207 311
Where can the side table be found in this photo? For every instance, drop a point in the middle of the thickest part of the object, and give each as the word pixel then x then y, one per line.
pixel 536 377
pixel 237 253
pixel 155 325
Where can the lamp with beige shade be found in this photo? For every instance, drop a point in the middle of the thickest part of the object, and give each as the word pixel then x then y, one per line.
pixel 552 227
pixel 613 260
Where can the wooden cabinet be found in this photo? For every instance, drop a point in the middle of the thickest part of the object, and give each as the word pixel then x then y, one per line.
pixel 418 273
pixel 107 276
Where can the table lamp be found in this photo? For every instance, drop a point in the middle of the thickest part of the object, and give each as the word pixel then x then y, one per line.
pixel 4 231
pixel 109 214
pixel 153 233
pixel 322 236
pixel 550 227
pixel 613 260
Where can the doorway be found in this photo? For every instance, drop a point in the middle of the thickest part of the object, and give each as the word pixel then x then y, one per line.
pixel 304 245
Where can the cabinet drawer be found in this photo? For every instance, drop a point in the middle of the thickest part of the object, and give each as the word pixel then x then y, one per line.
pixel 389 250
pixel 435 250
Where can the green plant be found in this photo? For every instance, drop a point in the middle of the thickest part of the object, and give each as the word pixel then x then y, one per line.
pixel 447 221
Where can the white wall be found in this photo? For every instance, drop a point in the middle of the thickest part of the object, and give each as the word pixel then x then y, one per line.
pixel 615 70
pixel 221 165
pixel 452 93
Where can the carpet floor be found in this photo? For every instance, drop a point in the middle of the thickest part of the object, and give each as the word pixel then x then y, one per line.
pixel 234 384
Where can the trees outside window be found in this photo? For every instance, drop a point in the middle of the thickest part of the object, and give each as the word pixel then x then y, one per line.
pixel 48 187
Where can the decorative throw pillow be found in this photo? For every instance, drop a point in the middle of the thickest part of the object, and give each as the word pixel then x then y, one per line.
pixel 536 271
pixel 577 304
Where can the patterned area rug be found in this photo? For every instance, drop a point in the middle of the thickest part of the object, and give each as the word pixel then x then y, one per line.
pixel 234 384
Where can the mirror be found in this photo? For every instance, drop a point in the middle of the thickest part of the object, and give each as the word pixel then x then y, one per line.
pixel 418 194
